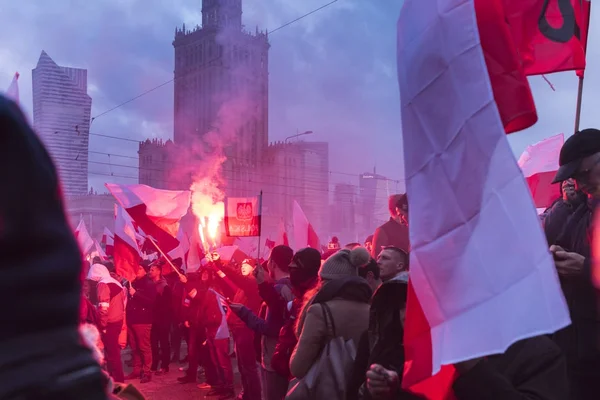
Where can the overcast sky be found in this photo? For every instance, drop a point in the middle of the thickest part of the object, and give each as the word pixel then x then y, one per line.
pixel 333 72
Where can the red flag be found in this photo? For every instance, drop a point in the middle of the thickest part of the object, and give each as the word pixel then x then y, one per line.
pixel 304 233
pixel 126 251
pixel 509 83
pixel 548 34
pixel 156 212
pixel 269 244
pixel 243 216
pixel 539 163
pixel 108 241
pixel 586 12
pixel 283 238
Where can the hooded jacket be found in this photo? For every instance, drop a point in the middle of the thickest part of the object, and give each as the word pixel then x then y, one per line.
pixel 41 265
pixel 111 295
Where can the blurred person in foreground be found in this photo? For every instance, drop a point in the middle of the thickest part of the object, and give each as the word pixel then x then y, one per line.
pixel 42 355
pixel 395 231
pixel 580 159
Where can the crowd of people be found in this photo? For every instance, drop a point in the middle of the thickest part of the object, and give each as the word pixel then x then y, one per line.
pixel 302 324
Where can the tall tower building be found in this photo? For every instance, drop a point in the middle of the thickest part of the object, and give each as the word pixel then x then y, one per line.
pixel 61 117
pixel 221 86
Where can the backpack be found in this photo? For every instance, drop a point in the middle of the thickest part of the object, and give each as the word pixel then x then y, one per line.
pixel 328 377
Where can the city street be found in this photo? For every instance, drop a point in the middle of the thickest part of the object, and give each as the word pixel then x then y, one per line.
pixel 167 388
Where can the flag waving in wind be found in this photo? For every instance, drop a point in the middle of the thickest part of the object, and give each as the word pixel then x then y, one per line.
pixel 468 296
pixel 304 233
pixel 83 238
pixel 539 163
pixel 156 212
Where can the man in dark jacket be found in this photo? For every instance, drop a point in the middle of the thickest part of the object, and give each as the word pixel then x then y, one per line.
pixel 41 355
pixel 161 324
pixel 304 272
pixel 140 314
pixel 272 316
pixel 580 160
pixel 395 231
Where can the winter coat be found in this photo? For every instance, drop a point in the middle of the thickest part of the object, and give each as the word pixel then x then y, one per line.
pixel 349 305
pixel 163 314
pixel 391 233
pixel 140 308
pixel 246 294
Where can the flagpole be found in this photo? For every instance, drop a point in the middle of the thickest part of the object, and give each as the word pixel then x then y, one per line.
pixel 578 109
pixel 164 255
pixel 259 225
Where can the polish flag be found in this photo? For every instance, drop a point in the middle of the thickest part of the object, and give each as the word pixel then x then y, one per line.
pixel 182 250
pixel 304 233
pixel 127 253
pixel 156 212
pixel 98 250
pixel 83 238
pixel 283 236
pixel 468 296
pixel 108 241
pixel 13 90
pixel 539 163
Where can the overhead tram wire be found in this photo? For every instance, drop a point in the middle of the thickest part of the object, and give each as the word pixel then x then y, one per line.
pixel 182 75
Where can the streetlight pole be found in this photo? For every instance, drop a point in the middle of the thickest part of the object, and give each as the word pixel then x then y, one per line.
pixel 287 169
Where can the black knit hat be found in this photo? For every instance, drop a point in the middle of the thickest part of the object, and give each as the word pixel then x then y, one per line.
pixel 282 256
pixel 308 259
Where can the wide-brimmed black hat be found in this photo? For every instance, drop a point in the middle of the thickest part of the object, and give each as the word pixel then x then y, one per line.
pixel 579 146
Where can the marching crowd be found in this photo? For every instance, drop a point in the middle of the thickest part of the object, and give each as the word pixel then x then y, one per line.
pixel 302 325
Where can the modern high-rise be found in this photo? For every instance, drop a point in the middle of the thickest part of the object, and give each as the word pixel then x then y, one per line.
pixel 221 92
pixel 61 117
pixel 374 191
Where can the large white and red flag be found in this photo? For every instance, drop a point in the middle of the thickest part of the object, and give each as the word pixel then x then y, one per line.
pixel 127 253
pixel 83 238
pixel 468 296
pixel 304 233
pixel 243 216
pixel 108 240
pixel 156 212
pixel 13 90
pixel 539 163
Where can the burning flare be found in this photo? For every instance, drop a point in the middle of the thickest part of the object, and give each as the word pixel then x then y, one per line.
pixel 208 207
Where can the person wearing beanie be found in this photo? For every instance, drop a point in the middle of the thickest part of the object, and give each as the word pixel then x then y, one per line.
pixel 343 295
pixel 41 352
pixel 395 231
pixel 304 270
pixel 275 289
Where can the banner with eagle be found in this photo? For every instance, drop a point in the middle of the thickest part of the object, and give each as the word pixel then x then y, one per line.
pixel 243 216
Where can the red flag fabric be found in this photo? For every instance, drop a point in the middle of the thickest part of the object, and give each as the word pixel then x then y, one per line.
pixel 304 233
pixel 283 236
pixel 586 12
pixel 509 84
pixel 108 241
pixel 539 163
pixel 270 244
pixel 243 216
pixel 126 251
pixel 156 212
pixel 548 34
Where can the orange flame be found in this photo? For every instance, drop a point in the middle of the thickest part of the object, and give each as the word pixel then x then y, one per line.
pixel 209 209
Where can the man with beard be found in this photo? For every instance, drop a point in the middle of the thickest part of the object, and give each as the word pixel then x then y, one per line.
pixel 580 160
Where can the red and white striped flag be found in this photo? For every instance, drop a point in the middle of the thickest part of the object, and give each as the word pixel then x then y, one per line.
pixel 304 233
pixel 468 296
pixel 13 90
pixel 539 163
pixel 127 254
pixel 156 212
pixel 83 238
pixel 108 241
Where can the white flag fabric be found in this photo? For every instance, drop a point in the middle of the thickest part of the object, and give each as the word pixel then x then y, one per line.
pixel 83 238
pixel 13 90
pixel 539 163
pixel 480 266
pixel 223 330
